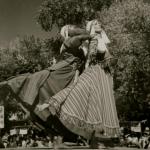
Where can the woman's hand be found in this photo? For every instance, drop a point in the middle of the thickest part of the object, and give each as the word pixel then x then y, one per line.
pixel 42 107
pixel 87 64
pixel 76 76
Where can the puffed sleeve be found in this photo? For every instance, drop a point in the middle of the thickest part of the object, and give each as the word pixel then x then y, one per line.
pixel 105 37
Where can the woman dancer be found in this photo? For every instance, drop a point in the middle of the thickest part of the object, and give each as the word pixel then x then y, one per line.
pixel 89 105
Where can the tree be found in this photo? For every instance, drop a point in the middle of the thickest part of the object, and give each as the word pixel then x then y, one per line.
pixel 128 26
pixel 28 54
pixel 60 12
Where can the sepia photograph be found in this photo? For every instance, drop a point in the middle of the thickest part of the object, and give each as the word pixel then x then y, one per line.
pixel 75 74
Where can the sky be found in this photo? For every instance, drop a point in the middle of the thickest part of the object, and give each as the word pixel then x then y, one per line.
pixel 17 18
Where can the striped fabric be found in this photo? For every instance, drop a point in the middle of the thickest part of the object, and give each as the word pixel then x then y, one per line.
pixel 89 104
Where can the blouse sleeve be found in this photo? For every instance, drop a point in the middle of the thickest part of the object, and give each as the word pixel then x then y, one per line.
pixel 105 37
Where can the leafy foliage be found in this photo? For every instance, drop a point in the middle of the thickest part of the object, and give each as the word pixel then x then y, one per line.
pixel 29 55
pixel 60 12
pixel 128 25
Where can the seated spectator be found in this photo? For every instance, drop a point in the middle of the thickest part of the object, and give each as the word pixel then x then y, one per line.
pixel 1 144
pixel 39 143
pixel 5 143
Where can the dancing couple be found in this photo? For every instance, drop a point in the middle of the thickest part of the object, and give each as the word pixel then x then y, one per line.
pixel 75 95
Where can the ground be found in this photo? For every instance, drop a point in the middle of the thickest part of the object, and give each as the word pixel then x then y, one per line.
pixel 73 148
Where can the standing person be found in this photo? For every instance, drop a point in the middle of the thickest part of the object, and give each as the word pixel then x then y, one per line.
pixel 88 106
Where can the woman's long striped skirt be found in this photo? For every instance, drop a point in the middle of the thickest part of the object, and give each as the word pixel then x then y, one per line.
pixel 89 105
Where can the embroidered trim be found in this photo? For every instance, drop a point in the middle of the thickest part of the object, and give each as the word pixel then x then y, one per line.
pixel 81 126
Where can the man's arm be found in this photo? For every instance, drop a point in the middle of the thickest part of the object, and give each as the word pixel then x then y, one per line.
pixel 77 31
pixel 76 41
